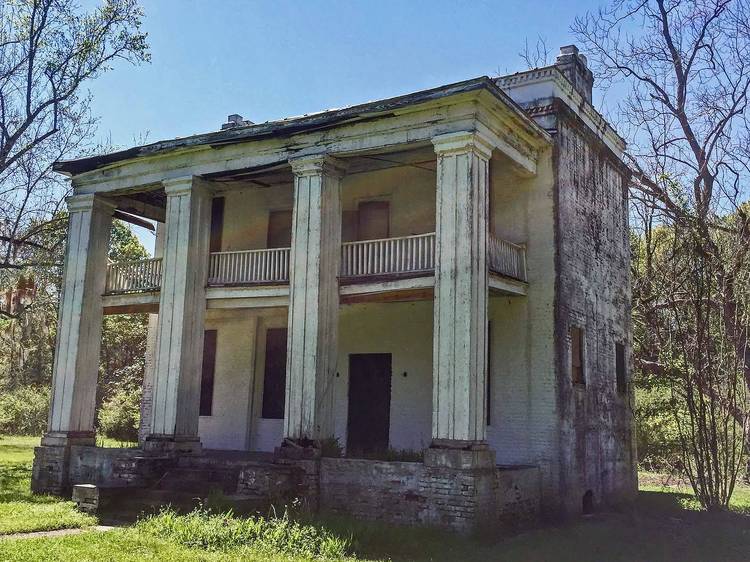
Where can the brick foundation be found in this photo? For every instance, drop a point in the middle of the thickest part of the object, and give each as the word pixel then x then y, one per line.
pixel 455 489
pixel 462 499
pixel 57 469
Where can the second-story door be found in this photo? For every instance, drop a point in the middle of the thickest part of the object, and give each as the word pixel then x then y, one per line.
pixel 373 220
pixel 279 229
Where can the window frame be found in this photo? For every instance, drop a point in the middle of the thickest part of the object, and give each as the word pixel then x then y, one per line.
pixel 621 368
pixel 577 376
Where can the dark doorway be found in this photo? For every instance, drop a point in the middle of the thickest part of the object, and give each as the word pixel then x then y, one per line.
pixel 373 220
pixel 274 379
pixel 369 403
pixel 279 233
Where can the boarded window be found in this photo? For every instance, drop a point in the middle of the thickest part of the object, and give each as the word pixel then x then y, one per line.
pixel 208 371
pixel 373 220
pixel 279 229
pixel 217 223
pixel 274 380
pixel 620 370
pixel 576 355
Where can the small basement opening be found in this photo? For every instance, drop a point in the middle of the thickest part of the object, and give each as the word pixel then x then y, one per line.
pixel 588 502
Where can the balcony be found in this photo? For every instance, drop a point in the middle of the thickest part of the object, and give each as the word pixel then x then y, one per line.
pixel 367 260
pixel 138 276
pixel 407 255
pixel 247 267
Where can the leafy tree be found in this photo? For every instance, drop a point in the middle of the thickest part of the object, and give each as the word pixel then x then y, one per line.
pixel 49 51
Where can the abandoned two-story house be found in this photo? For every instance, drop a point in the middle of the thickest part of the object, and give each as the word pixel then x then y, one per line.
pixel 439 278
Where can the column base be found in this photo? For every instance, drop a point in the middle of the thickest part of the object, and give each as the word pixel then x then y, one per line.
pixel 460 480
pixel 304 455
pixel 459 455
pixel 173 444
pixel 298 449
pixel 69 438
pixel 50 471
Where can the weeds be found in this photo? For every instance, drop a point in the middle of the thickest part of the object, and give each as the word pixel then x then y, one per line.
pixel 225 532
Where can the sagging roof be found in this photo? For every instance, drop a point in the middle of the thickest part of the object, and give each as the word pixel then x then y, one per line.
pixel 293 125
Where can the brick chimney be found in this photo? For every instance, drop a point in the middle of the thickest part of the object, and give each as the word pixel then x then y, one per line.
pixel 235 120
pixel 574 66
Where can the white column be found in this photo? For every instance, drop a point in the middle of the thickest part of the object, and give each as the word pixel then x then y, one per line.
pixel 314 299
pixel 79 327
pixel 460 309
pixel 180 325
pixel 148 373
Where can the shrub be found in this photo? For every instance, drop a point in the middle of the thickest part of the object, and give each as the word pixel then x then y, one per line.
pixel 120 414
pixel 224 532
pixel 658 440
pixel 23 410
pixel 331 447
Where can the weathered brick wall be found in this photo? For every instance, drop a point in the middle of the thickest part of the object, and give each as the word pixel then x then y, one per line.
pixel 115 468
pixel 518 496
pixel 50 470
pixel 414 494
pixel 593 293
pixel 388 491
pixel 273 483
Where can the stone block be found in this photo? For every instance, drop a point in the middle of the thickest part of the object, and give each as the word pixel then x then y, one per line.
pixel 86 497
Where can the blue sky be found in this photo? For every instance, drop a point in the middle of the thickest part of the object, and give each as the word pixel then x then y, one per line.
pixel 267 60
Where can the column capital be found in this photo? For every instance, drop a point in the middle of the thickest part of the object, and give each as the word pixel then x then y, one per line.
pixel 89 202
pixel 185 184
pixel 317 164
pixel 462 142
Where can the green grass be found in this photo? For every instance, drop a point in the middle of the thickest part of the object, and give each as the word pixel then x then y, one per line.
pixel 663 524
pixel 682 492
pixel 20 510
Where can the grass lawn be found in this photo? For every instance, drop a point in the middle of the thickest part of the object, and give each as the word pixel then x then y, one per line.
pixel 664 524
pixel 20 510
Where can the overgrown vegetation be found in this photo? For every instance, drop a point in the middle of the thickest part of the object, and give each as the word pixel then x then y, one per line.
pixel 23 410
pixel 120 413
pixel 224 532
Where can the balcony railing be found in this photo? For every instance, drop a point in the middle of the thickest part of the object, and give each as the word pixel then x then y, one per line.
pixel 249 266
pixel 133 276
pixel 506 258
pixel 368 258
pixel 388 256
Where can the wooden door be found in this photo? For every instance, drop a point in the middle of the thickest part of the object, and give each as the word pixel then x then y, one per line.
pixel 369 403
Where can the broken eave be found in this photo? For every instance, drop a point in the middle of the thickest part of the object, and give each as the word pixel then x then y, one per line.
pixel 295 125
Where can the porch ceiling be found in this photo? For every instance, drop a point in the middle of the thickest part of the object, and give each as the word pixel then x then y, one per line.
pixel 421 156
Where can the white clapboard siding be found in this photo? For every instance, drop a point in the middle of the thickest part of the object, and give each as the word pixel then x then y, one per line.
pixel 133 276
pixel 249 266
pixel 507 258
pixel 405 254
